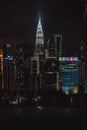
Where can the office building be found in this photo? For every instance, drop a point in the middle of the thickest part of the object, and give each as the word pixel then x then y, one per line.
pixel 69 74
pixel 83 65
pixel 52 73
pixel 9 73
pixel 23 57
pixel 54 46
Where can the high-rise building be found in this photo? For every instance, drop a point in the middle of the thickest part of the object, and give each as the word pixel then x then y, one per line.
pixel 9 67
pixel 23 56
pixel 39 45
pixel 54 46
pixel 51 73
pixel 58 45
pixel 52 53
pixel 83 64
pixel 1 70
pixel 69 76
pixel 37 61
pixel 9 73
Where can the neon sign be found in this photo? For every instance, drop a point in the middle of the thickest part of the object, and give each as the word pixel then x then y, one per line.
pixel 69 59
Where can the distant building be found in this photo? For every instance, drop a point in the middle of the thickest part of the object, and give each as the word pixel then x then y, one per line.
pixel 1 69
pixel 54 46
pixel 35 65
pixel 52 53
pixel 51 73
pixel 83 65
pixel 9 67
pixel 85 83
pixel 9 73
pixel 35 72
pixel 69 76
pixel 39 44
pixel 23 63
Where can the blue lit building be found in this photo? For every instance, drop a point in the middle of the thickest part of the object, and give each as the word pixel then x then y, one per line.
pixel 69 76
pixel 9 73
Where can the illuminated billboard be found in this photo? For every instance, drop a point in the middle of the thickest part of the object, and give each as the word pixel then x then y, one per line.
pixel 69 59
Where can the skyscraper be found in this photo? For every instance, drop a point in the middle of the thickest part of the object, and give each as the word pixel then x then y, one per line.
pixel 37 61
pixel 54 46
pixel 39 45
pixel 69 68
pixel 9 73
pixel 52 53
pixel 23 54
pixel 83 64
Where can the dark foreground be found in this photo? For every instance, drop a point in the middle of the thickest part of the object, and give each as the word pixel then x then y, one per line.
pixel 51 113
pixel 16 116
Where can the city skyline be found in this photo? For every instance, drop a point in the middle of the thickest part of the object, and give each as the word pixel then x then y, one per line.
pixel 19 21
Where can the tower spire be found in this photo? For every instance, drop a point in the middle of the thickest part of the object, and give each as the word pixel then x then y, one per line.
pixel 39 45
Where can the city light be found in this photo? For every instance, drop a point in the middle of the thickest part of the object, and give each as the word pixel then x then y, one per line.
pixel 9 58
pixel 69 59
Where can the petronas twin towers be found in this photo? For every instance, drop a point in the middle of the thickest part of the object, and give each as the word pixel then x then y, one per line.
pixel 39 45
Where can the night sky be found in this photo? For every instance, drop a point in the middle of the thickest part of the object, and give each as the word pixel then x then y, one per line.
pixel 18 22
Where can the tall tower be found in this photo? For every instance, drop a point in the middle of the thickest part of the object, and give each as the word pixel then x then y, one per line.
pixel 39 45
pixel 9 73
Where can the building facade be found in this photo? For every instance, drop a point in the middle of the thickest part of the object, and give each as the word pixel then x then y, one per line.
pixel 51 73
pixel 9 73
pixel 69 74
pixel 83 64
pixel 23 62
pixel 54 46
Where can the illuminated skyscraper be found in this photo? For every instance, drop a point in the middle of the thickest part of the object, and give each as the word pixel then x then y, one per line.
pixel 39 45
pixel 9 73
pixel 37 61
